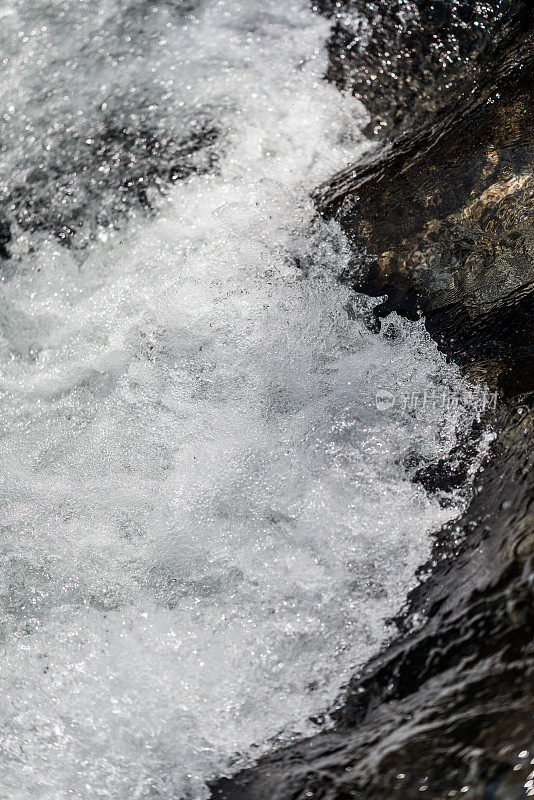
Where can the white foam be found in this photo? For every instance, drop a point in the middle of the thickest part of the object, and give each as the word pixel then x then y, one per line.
pixel 207 519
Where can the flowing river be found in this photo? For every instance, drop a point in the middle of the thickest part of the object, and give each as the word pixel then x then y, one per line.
pixel 206 519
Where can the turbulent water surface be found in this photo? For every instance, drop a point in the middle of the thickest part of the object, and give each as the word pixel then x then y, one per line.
pixel 206 518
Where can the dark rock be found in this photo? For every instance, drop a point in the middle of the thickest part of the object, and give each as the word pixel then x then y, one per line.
pixel 407 59
pixel 446 216
pixel 104 125
pixel 5 238
pixel 451 473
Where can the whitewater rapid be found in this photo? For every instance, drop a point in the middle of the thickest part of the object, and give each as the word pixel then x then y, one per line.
pixel 206 518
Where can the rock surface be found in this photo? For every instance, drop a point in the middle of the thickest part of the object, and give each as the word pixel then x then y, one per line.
pixel 406 59
pixel 90 136
pixel 446 217
pixel 92 180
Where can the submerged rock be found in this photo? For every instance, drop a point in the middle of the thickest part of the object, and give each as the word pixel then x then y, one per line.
pixel 100 125
pixel 93 179
pixel 5 237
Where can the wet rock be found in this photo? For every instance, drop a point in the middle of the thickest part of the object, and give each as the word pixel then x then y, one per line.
pixel 5 237
pixel 452 472
pixel 102 125
pixel 407 59
pixel 446 216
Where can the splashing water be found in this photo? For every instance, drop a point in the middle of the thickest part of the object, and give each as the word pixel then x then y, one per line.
pixel 206 518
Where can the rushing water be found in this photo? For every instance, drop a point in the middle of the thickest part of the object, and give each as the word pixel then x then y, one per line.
pixel 206 518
